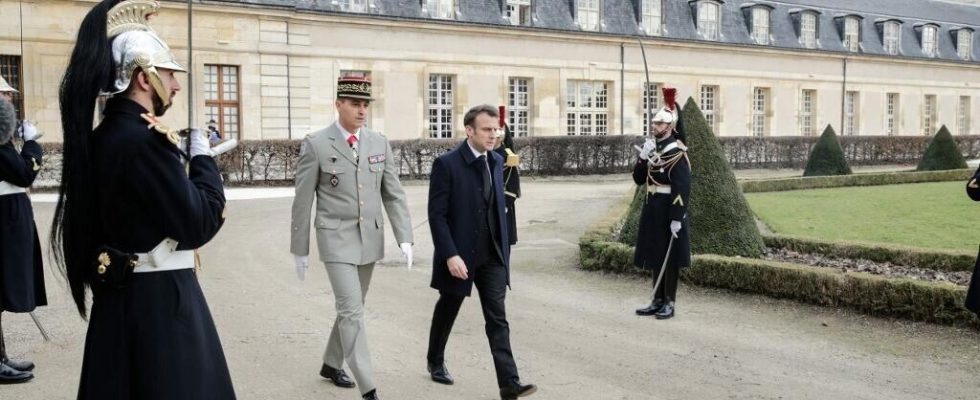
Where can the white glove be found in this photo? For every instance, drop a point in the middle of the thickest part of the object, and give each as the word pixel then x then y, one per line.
pixel 302 263
pixel 675 226
pixel 200 145
pixel 648 147
pixel 28 131
pixel 407 251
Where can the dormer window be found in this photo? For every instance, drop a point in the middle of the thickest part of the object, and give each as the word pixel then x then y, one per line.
pixel 441 9
pixel 761 16
pixel 852 33
pixel 519 12
pixel 928 36
pixel 891 36
pixel 708 18
pixel 964 43
pixel 808 29
pixel 650 19
pixel 587 14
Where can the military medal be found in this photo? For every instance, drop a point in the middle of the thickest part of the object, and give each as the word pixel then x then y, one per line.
pixel 334 181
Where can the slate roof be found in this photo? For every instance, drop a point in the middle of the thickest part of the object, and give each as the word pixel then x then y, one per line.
pixel 620 18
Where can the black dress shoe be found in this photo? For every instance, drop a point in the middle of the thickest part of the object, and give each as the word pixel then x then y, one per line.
pixel 518 390
pixel 440 374
pixel 338 376
pixel 372 395
pixel 18 365
pixel 666 312
pixel 652 309
pixel 9 375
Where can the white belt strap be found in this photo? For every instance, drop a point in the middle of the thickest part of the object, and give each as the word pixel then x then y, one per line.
pixel 7 188
pixel 164 257
pixel 658 189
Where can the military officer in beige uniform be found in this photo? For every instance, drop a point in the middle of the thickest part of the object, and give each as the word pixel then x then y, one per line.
pixel 351 172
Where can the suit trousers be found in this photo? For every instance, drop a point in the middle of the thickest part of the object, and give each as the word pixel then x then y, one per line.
pixel 491 284
pixel 348 338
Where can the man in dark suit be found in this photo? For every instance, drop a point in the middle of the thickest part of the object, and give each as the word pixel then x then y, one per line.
pixel 469 232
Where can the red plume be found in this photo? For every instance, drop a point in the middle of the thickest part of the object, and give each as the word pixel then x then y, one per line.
pixel 670 97
pixel 502 111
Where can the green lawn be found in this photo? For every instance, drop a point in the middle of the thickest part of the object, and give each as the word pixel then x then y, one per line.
pixel 927 215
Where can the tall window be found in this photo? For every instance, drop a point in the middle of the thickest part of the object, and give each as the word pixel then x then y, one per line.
pixel 587 104
pixel 892 37
pixel 709 105
pixel 964 43
pixel 519 12
pixel 651 17
pixel 760 106
pixel 929 40
pixel 808 30
pixel 708 18
pixel 353 5
pixel 441 9
pixel 929 115
pixel 588 14
pixel 519 106
pixel 440 106
pixel 10 70
pixel 892 108
pixel 964 115
pixel 850 113
pixel 760 25
pixel 852 34
pixel 651 95
pixel 221 99
pixel 808 102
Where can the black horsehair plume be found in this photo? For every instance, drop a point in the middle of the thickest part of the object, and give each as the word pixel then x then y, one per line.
pixel 89 72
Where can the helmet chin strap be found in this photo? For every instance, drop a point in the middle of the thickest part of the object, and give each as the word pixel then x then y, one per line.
pixel 153 76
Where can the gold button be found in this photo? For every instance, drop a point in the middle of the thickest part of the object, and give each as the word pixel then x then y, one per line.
pixel 362 203
pixel 362 218
pixel 359 186
pixel 101 269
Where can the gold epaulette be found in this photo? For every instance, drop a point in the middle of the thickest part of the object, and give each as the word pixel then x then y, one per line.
pixel 172 134
pixel 513 160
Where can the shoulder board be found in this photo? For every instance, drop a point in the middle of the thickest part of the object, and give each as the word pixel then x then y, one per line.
pixel 158 127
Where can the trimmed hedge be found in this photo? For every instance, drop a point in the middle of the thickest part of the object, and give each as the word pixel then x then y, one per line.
pixel 899 255
pixel 915 300
pixel 942 153
pixel 792 151
pixel 720 219
pixel 827 157
pixel 273 161
pixel 887 178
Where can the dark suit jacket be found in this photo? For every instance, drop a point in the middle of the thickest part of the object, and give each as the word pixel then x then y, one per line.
pixel 456 208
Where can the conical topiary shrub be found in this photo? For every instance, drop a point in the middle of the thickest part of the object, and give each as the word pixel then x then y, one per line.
pixel 827 157
pixel 720 219
pixel 942 153
pixel 631 220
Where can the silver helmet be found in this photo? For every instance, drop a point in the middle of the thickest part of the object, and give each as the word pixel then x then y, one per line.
pixel 5 87
pixel 136 45
pixel 665 115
